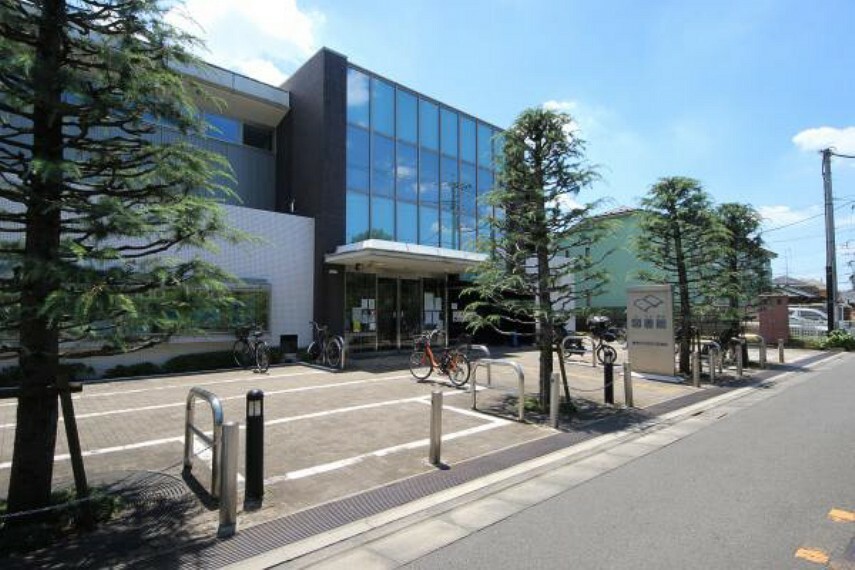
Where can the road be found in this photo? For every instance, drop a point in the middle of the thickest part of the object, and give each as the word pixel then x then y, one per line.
pixel 769 483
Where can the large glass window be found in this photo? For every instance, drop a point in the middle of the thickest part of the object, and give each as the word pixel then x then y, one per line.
pixel 407 172
pixel 382 107
pixel 467 189
pixel 223 128
pixel 357 217
pixel 485 146
pixel 449 201
pixel 428 226
pixel 382 166
pixel 467 233
pixel 428 125
pixel 382 218
pixel 407 222
pixel 357 158
pixel 259 137
pixel 467 139
pixel 407 117
pixel 357 98
pixel 448 229
pixel 429 178
pixel 449 132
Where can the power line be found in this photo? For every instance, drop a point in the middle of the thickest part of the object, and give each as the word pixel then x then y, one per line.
pixel 803 220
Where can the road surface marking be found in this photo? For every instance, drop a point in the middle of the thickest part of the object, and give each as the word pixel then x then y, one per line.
pixel 342 463
pixel 812 555
pixel 839 515
pixel 225 399
pixel 180 439
pixel 89 395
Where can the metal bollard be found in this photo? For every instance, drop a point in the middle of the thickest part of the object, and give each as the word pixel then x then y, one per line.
pixel 554 397
pixel 228 482
pixel 739 363
pixel 627 385
pixel 696 369
pixel 435 427
pixel 593 354
pixel 609 382
pixel 780 351
pixel 713 362
pixel 762 354
pixel 254 490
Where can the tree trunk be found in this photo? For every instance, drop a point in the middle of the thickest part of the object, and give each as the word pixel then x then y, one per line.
pixel 35 433
pixel 685 304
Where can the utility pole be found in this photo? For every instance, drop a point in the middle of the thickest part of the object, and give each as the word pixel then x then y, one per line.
pixel 830 248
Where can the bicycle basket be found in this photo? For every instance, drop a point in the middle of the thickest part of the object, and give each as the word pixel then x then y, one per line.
pixel 241 332
pixel 419 343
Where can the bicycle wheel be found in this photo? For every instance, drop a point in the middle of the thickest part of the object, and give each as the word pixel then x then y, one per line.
pixel 262 357
pixel 242 353
pixel 420 365
pixel 606 354
pixel 458 369
pixel 314 351
pixel 334 352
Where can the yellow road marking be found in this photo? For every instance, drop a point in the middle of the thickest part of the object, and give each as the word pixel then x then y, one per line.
pixel 839 515
pixel 812 555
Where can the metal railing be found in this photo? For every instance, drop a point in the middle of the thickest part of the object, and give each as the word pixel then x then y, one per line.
pixel 224 443
pixel 214 442
pixel 488 363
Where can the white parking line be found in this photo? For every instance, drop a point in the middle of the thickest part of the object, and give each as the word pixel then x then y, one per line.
pixel 180 438
pixel 89 395
pixel 224 399
pixel 342 463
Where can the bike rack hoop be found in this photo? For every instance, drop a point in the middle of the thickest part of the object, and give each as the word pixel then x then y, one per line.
pixel 215 441
pixel 488 363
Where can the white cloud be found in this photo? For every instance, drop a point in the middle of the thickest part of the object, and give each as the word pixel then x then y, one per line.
pixel 842 140
pixel 260 38
pixel 775 216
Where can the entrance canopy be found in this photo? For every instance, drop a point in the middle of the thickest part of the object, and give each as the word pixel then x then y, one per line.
pixel 382 255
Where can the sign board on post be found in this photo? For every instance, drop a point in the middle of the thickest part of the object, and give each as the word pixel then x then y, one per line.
pixel 650 329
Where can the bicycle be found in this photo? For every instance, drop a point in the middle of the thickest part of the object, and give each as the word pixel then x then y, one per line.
pixel 452 362
pixel 602 334
pixel 246 350
pixel 329 348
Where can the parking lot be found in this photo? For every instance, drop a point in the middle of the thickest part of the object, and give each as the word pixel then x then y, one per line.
pixel 327 434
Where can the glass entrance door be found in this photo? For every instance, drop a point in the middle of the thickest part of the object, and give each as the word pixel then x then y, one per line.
pixel 410 308
pixel 387 313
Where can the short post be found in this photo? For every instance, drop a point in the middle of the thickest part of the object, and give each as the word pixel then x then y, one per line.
pixel 593 353
pixel 609 382
pixel 696 369
pixel 739 362
pixel 489 375
pixel 521 400
pixel 228 482
pixel 254 490
pixel 713 362
pixel 554 397
pixel 780 351
pixel 473 388
pixel 762 353
pixel 435 427
pixel 627 385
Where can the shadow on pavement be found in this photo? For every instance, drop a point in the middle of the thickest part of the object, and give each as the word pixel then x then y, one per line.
pixel 158 515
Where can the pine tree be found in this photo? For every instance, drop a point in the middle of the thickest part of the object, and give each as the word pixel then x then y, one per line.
pixel 529 280
pixel 91 207
pixel 679 238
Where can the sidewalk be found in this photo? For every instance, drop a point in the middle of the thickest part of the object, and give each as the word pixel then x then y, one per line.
pixel 369 494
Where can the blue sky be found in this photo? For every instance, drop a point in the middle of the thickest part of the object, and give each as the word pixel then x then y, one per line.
pixel 738 94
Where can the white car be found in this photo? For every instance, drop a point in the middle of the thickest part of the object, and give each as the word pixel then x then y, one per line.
pixel 808 318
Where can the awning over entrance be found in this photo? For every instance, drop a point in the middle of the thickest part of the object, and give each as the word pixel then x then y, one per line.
pixel 377 254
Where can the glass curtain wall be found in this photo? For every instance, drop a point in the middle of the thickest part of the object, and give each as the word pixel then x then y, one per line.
pixel 417 171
